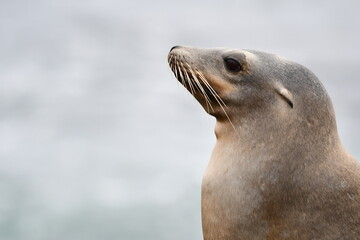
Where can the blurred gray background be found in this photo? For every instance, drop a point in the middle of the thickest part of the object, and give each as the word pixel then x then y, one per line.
pixel 97 139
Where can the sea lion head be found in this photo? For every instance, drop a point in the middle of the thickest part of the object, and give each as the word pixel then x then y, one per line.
pixel 236 84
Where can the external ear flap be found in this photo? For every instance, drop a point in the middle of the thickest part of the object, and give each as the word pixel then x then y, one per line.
pixel 284 94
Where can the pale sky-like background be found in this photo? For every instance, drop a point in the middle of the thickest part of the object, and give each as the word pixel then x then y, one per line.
pixel 97 139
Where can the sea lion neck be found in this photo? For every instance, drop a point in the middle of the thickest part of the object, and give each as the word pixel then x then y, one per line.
pixel 283 134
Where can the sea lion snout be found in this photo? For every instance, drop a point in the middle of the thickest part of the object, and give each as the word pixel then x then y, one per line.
pixel 174 48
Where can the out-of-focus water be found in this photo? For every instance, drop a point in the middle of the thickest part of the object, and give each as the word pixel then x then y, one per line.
pixel 98 141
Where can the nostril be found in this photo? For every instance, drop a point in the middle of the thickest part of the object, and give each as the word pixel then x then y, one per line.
pixel 173 48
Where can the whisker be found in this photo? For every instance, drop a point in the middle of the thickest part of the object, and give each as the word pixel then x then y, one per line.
pixel 176 72
pixel 180 73
pixel 207 99
pixel 170 58
pixel 196 80
pixel 211 89
pixel 188 79
pixel 190 83
pixel 219 101
pixel 173 68
pixel 197 83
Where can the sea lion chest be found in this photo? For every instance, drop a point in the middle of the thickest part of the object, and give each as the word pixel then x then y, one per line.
pixel 232 196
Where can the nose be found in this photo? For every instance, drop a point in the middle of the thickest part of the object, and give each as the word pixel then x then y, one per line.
pixel 174 48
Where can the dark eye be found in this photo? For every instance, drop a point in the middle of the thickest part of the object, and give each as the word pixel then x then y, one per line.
pixel 232 65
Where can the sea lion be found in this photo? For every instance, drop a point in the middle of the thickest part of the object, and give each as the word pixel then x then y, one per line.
pixel 278 169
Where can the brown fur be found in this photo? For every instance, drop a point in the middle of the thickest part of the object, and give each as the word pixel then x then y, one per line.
pixel 278 169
